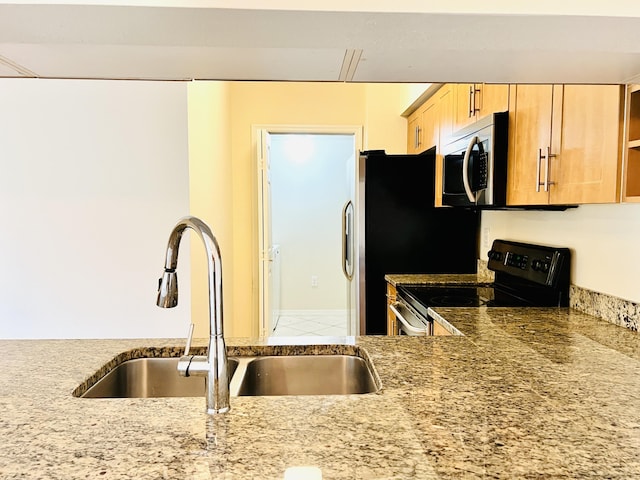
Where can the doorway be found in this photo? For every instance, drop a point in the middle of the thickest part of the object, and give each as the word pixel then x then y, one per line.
pixel 306 177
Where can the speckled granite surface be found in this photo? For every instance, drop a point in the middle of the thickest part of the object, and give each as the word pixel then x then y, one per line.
pixel 433 279
pixel 484 275
pixel 613 309
pixel 618 311
pixel 526 393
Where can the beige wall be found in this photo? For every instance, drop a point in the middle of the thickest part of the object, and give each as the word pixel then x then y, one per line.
pixel 603 239
pixel 210 193
pixel 376 107
pixel 385 129
pixel 272 103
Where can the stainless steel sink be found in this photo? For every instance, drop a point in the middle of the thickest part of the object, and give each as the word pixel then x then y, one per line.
pixel 301 374
pixel 149 377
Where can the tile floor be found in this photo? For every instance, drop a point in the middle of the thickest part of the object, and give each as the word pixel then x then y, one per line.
pixel 311 325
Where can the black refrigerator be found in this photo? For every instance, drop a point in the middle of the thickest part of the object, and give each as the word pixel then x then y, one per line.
pixel 403 231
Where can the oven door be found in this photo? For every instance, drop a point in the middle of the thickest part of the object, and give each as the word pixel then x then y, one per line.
pixel 410 322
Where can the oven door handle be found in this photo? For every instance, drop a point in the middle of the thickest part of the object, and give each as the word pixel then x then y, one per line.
pixel 418 331
pixel 465 169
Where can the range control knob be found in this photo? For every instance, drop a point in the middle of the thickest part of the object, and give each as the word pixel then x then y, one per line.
pixel 540 265
pixel 494 255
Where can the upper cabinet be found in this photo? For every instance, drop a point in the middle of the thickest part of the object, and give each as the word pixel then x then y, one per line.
pixel 436 120
pixel 422 127
pixel 445 113
pixel 564 144
pixel 632 173
pixel 474 101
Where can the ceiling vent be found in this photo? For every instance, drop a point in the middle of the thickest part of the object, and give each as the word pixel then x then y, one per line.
pixel 349 64
pixel 18 68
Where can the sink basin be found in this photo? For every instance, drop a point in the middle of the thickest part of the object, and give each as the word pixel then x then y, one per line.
pixel 305 375
pixel 149 377
pixel 255 375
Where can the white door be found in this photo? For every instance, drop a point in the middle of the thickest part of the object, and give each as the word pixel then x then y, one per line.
pixel 266 241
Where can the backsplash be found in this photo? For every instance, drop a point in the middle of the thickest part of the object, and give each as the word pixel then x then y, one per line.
pixel 613 309
pixel 484 274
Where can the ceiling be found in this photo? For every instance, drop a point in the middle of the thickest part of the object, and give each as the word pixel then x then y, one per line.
pixel 178 43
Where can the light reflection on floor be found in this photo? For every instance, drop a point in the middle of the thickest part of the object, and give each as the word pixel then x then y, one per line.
pixel 310 325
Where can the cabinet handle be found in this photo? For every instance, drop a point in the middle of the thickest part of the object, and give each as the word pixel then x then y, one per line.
pixel 473 91
pixel 538 167
pixel 418 130
pixel 548 168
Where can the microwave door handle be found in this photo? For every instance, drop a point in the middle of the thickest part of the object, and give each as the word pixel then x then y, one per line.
pixel 465 170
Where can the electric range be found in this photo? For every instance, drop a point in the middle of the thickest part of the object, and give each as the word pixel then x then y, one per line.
pixel 525 275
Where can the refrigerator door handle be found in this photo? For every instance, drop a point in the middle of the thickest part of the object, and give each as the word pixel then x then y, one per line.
pixel 465 170
pixel 347 240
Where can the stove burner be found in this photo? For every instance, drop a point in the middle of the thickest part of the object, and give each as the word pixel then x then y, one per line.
pixel 455 301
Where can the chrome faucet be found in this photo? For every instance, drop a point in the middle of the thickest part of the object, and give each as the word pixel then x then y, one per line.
pixel 215 365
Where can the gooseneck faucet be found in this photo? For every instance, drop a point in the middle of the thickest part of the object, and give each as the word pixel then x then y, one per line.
pixel 215 365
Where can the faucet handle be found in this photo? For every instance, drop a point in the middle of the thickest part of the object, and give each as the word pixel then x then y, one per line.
pixel 187 347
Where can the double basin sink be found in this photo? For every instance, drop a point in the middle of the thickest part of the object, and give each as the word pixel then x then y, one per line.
pixel 251 375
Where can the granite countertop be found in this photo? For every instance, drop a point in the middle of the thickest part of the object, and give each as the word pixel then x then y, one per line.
pixel 526 393
pixel 434 279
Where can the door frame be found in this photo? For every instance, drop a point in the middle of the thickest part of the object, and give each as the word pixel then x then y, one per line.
pixel 258 134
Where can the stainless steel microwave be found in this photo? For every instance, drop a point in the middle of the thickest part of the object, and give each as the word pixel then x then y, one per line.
pixel 474 171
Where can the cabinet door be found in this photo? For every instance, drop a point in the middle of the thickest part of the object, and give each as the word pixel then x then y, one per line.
pixel 464 105
pixel 529 137
pixel 414 129
pixel 491 98
pixel 587 145
pixel 430 124
pixel 439 330
pixel 632 168
pixel 446 102
pixel 392 325
pixel 445 109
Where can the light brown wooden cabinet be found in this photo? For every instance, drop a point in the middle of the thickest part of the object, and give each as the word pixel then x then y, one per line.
pixel 436 120
pixel 564 144
pixel 439 330
pixel 422 126
pixel 392 323
pixel 445 117
pixel 632 170
pixel 414 129
pixel 474 101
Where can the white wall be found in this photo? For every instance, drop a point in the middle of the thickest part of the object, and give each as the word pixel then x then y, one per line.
pixel 605 242
pixel 94 174
pixel 309 185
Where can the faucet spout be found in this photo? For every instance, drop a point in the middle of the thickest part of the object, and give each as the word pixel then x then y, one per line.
pixel 215 365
